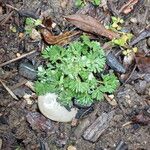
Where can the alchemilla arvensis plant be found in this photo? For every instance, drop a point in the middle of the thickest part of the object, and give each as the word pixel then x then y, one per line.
pixel 70 73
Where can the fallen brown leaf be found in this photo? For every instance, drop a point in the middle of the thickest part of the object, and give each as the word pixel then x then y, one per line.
pixel 90 24
pixel 143 63
pixel 128 7
pixel 61 39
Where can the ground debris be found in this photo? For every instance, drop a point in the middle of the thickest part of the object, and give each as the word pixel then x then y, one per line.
pixel 61 39
pixel 114 63
pixel 121 146
pixel 93 132
pixel 39 122
pixel 27 70
pixel 141 119
pixel 90 24
pixel 143 63
pixel 128 7
pixel 144 34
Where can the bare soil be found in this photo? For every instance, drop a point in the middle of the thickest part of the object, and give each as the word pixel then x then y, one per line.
pixel 17 133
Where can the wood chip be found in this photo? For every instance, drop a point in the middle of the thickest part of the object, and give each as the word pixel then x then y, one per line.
pixel 93 132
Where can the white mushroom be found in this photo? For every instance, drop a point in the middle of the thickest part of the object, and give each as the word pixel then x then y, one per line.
pixel 50 108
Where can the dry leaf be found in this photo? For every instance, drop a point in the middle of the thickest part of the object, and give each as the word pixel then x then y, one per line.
pixel 58 39
pixel 143 63
pixel 89 24
pixel 128 7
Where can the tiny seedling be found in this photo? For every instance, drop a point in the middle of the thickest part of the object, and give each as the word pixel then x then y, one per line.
pixel 31 24
pixel 128 52
pixel 122 40
pixel 81 3
pixel 116 24
pixel 70 73
pixel 96 2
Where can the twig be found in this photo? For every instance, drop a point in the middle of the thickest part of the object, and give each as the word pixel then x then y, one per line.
pixel 18 10
pixel 30 85
pixel 129 75
pixel 9 91
pixel 6 18
pixel 7 5
pixel 18 58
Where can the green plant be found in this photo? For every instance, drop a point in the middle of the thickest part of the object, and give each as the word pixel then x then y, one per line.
pixel 130 51
pixel 124 37
pixel 81 3
pixel 30 24
pixel 70 72
pixel 96 2
pixel 116 24
pixel 122 40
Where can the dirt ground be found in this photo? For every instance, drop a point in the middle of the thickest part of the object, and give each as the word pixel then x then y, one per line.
pixel 18 132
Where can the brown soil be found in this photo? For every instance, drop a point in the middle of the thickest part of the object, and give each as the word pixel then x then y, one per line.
pixel 16 133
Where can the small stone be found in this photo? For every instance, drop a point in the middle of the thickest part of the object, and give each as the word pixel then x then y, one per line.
pixel 114 64
pixel 18 54
pixel 27 97
pixel 21 35
pixel 148 110
pixel 71 147
pixel 28 71
pixel 35 35
pixel 133 20
pixel 148 42
pixel 127 96
pixel 111 96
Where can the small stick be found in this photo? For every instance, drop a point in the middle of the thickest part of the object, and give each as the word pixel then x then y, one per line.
pixel 7 5
pixel 18 58
pixel 9 91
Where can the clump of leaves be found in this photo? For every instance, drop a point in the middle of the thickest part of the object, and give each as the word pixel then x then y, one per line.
pixel 70 73
pixel 128 52
pixel 96 2
pixel 116 24
pixel 31 24
pixel 123 40
pixel 81 3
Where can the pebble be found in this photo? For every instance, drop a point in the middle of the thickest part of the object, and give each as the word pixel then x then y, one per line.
pixel 71 147
pixel 35 35
pixel 114 64
pixel 27 70
pixel 133 20
pixel 148 110
pixel 148 42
